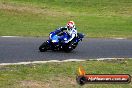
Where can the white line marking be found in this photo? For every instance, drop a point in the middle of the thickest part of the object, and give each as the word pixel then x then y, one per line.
pixel 9 36
pixel 99 59
pixel 36 62
pixel 120 38
pixel 68 60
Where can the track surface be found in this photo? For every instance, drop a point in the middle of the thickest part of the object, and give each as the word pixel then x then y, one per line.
pixel 21 49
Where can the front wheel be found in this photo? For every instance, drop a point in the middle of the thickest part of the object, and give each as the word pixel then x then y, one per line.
pixel 43 47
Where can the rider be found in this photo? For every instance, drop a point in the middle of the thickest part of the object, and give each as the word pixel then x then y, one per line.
pixel 71 31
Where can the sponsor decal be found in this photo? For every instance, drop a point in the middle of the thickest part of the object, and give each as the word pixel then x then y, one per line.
pixel 83 78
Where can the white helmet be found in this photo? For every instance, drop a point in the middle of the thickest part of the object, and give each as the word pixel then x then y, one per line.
pixel 70 25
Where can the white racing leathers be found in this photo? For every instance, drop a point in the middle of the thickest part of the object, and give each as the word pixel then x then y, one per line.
pixel 72 33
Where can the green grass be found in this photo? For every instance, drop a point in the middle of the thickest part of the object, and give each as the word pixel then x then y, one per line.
pixel 95 18
pixel 56 75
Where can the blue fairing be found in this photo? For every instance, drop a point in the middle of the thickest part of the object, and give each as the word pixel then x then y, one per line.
pixel 56 38
pixel 58 42
pixel 65 36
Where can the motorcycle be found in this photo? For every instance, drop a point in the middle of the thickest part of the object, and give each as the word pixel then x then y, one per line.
pixel 55 43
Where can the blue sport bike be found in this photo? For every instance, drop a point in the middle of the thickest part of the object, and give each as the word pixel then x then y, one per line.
pixel 56 42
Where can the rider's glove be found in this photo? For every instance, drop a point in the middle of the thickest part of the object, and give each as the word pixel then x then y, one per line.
pixel 62 29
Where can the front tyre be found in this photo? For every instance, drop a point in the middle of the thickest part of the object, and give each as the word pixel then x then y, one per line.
pixel 43 47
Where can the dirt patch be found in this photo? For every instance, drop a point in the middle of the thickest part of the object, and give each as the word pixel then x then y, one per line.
pixel 33 84
pixel 53 82
pixel 32 9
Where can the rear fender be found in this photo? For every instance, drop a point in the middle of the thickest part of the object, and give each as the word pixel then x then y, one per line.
pixel 80 36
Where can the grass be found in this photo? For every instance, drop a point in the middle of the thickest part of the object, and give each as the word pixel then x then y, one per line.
pixel 94 18
pixel 54 75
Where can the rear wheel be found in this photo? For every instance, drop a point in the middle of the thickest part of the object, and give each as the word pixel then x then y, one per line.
pixel 68 48
pixel 74 45
pixel 43 47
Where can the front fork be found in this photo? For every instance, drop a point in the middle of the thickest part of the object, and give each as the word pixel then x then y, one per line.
pixel 53 45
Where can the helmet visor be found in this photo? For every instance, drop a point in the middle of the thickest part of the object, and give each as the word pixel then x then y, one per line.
pixel 69 26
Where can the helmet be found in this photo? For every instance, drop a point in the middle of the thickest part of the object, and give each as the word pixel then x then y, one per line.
pixel 70 25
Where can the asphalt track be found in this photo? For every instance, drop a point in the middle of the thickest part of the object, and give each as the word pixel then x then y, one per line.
pixel 22 49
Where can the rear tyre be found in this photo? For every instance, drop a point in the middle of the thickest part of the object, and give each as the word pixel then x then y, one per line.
pixel 43 47
pixel 68 48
